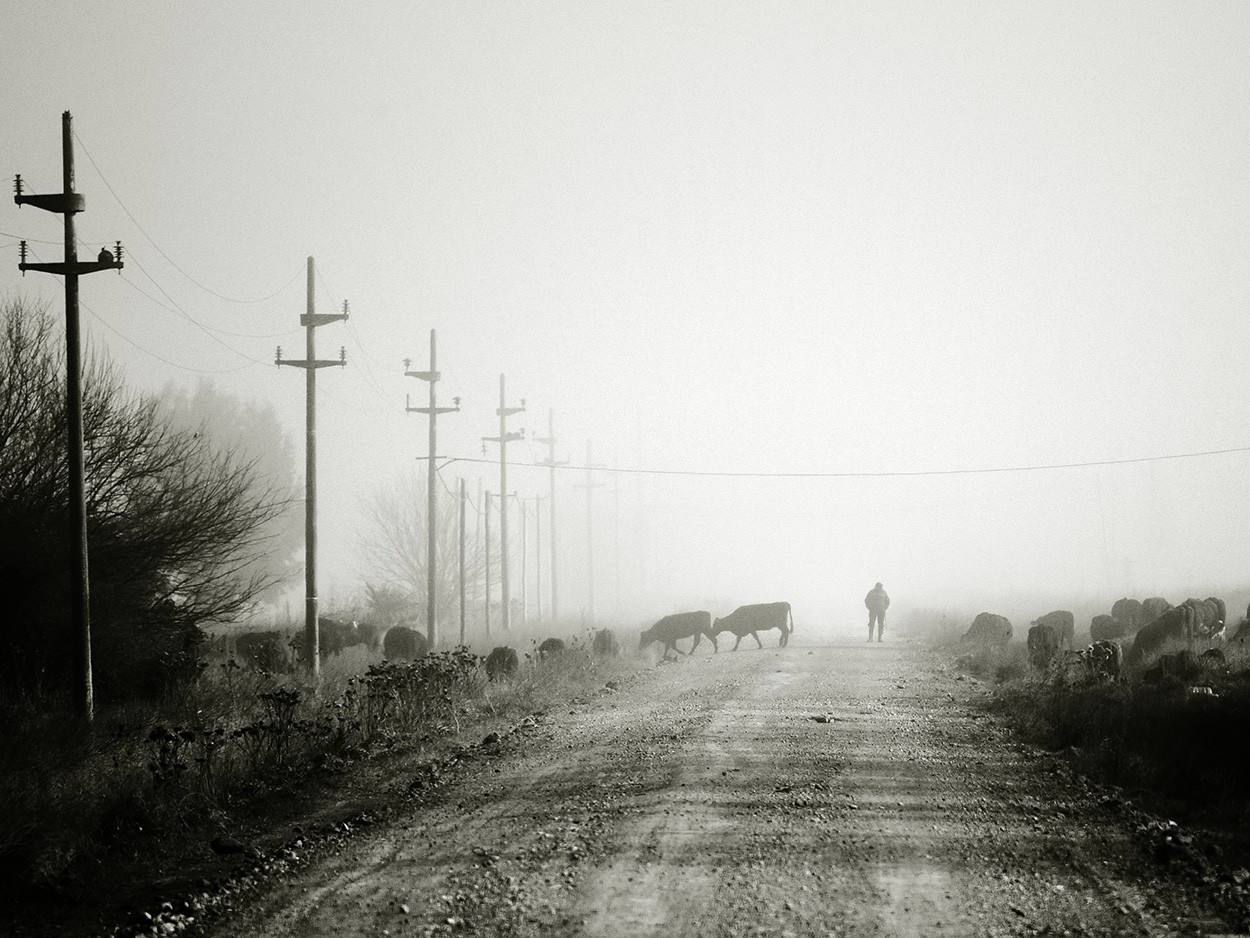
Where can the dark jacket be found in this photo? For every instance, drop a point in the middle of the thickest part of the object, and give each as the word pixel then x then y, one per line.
pixel 877 600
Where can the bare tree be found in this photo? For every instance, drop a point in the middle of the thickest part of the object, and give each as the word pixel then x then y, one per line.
pixel 392 542
pixel 174 526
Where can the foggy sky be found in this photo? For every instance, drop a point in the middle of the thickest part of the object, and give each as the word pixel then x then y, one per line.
pixel 714 237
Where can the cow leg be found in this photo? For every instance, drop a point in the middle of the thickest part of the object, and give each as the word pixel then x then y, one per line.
pixel 735 648
pixel 695 643
pixel 756 636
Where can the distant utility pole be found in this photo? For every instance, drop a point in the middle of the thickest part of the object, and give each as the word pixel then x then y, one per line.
pixel 431 517
pixel 538 554
pixel 616 537
pixel 503 439
pixel 463 499
pixel 311 320
pixel 525 606
pixel 550 442
pixel 590 485
pixel 486 508
pixel 67 202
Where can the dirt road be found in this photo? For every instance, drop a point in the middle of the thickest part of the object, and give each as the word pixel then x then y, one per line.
pixel 811 790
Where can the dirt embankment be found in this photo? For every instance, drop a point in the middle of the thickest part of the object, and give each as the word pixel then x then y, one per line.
pixel 823 790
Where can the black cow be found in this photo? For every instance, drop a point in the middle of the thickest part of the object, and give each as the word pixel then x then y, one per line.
pixel 668 630
pixel 401 642
pixel 1129 613
pixel 756 618
pixel 1152 608
pixel 1064 624
pixel 501 662
pixel 1106 628
pixel 334 635
pixel 264 651
pixel 605 644
pixel 1043 645
pixel 551 648
pixel 1194 619
pixel 989 630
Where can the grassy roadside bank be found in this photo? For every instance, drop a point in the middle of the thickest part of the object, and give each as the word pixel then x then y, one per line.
pixel 1174 742
pixel 156 802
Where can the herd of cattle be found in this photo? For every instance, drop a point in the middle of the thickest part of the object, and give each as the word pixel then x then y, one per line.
pixel 278 652
pixel 1151 638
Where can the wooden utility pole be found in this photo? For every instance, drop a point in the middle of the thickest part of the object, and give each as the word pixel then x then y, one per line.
pixel 590 485
pixel 486 508
pixel 68 203
pixel 550 442
pixel 431 516
pixel 504 412
pixel 463 498
pixel 538 554
pixel 311 320
pixel 525 606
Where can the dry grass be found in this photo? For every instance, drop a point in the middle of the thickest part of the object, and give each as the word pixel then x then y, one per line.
pixel 147 775
pixel 1171 737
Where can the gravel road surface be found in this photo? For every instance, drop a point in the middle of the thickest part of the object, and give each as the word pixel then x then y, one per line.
pixel 850 789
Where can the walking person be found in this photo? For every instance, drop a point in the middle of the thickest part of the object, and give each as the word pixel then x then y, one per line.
pixel 877 602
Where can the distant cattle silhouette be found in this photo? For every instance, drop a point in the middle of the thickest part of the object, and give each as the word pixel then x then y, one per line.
pixel 1064 624
pixel 756 618
pixel 402 643
pixel 1106 628
pixel 668 630
pixel 605 644
pixel 501 662
pixel 551 648
pixel 988 630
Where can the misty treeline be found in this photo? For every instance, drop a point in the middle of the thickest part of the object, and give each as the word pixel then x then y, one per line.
pixel 392 543
pixel 190 517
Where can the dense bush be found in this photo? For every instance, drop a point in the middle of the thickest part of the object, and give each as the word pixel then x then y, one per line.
pixel 1168 736
pixel 174 526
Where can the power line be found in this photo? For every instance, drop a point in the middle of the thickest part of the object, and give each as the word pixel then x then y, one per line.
pixel 868 475
pixel 173 263
pixel 203 371
pixel 181 312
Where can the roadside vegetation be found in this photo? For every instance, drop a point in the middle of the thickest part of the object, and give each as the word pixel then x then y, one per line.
pixel 155 785
pixel 1169 735
pixel 193 523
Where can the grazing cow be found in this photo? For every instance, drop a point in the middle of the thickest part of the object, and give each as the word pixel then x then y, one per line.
pixel 502 662
pixel 264 651
pixel 1064 624
pixel 1104 660
pixel 371 634
pixel 988 630
pixel 605 644
pixel 696 625
pixel 1208 616
pixel 401 642
pixel 1201 619
pixel 1106 628
pixel 1152 608
pixel 334 635
pixel 551 648
pixel 1043 644
pixel 1129 613
pixel 756 618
